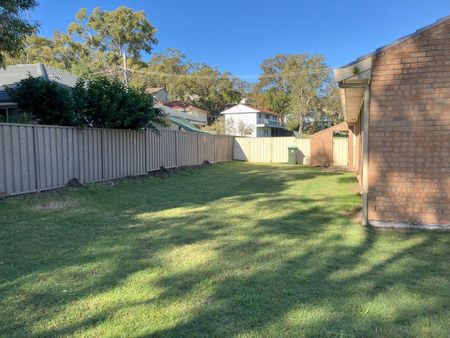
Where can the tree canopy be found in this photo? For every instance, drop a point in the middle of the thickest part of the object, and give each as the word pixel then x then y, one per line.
pixel 99 102
pixel 14 28
pixel 297 85
pixel 294 85
pixel 95 42
pixel 196 83
pixel 110 34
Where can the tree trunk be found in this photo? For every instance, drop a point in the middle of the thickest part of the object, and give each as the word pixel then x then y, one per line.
pixel 300 124
pixel 125 68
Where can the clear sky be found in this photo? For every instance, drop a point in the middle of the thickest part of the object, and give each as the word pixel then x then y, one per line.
pixel 237 35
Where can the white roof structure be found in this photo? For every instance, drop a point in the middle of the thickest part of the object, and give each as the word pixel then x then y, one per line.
pixel 242 108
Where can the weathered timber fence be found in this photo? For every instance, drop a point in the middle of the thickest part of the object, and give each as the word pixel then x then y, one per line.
pixel 38 157
pixel 271 149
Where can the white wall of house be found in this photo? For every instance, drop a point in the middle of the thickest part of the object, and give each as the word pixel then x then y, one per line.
pixel 240 117
pixel 240 124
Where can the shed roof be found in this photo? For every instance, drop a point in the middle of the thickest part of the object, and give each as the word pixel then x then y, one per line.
pixel 154 90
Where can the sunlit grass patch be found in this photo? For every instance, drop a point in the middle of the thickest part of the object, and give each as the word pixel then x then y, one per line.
pixel 234 249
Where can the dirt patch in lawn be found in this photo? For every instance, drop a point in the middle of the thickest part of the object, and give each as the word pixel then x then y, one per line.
pixel 53 205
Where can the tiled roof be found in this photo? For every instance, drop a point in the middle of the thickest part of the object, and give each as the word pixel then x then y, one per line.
pixel 261 110
pixel 153 90
pixel 61 76
pixel 182 105
pixel 14 74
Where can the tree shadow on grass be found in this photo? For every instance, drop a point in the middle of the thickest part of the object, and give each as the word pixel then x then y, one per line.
pixel 256 272
pixel 335 282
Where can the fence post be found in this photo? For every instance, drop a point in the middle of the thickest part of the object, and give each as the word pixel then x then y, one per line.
pixel 176 149
pixel 37 172
pixel 214 158
pixel 145 151
pixel 102 135
pixel 231 141
pixel 198 147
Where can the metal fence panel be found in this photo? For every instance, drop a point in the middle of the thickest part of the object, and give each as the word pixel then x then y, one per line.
pixel 270 149
pixel 38 157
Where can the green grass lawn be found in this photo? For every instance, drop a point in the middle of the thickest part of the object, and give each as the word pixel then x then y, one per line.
pixel 230 249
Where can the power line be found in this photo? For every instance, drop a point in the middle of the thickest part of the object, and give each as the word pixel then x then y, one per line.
pixel 257 76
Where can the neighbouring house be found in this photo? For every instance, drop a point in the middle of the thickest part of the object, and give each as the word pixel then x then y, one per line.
pixel 159 93
pixel 194 115
pixel 180 116
pixel 317 122
pixel 244 119
pixel 12 75
pixel 396 102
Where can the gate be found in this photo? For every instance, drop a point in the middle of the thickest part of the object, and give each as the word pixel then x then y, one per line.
pixel 340 151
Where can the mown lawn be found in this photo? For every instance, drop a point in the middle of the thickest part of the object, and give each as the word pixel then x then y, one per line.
pixel 231 249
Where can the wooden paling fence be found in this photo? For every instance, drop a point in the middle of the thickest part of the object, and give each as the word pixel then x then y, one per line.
pixel 271 149
pixel 38 157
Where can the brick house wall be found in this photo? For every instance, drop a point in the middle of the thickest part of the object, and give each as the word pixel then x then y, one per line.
pixel 322 145
pixel 409 130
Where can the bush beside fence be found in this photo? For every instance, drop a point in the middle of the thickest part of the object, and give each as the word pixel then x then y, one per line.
pixel 38 157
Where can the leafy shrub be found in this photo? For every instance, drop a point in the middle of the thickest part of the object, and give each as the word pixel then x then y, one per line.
pixel 104 103
pixel 98 102
pixel 45 101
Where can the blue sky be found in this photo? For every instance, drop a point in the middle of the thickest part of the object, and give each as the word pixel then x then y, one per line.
pixel 237 35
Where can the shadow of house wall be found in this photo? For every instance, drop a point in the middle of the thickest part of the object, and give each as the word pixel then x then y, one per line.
pixel 409 137
pixel 356 155
pixel 322 145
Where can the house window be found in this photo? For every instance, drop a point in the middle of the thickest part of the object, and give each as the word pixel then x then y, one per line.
pixel 266 132
pixel 13 115
pixel 259 115
pixel 3 115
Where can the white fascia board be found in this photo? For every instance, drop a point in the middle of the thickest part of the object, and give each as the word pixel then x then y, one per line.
pixel 359 70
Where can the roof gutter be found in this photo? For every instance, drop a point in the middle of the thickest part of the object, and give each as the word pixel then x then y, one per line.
pixel 365 146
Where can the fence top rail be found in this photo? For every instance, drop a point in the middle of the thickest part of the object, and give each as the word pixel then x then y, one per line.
pixel 272 137
pixel 91 128
pixel 63 127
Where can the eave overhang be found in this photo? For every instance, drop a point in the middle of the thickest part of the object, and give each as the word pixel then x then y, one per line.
pixel 352 75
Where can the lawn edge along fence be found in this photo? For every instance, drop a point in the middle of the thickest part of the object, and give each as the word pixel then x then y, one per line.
pixel 40 157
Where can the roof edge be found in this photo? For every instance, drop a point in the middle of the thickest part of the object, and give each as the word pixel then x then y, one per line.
pixel 398 41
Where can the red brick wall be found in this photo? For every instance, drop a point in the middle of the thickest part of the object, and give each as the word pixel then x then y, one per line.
pixel 409 138
pixel 322 145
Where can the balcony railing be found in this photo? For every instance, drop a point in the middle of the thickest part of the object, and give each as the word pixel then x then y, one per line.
pixel 269 122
